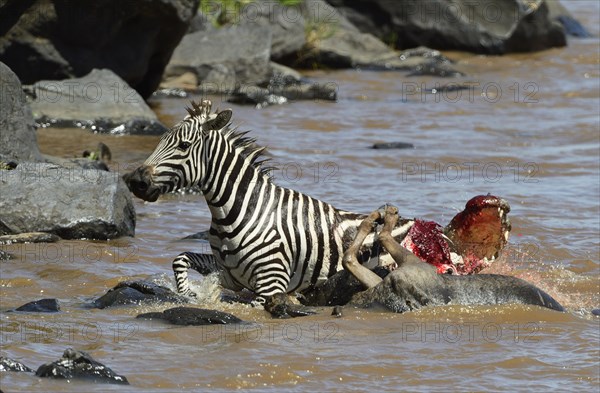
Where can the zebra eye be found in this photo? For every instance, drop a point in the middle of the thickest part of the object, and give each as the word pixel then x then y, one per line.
pixel 184 145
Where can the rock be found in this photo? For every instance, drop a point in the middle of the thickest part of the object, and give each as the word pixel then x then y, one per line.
pixel 57 39
pixel 79 365
pixel 4 256
pixel 571 25
pixel 192 316
pixel 224 59
pixel 197 236
pixel 337 312
pixel 286 23
pixel 596 312
pixel 72 203
pixel 18 139
pixel 393 145
pixel 30 237
pixel 284 86
pixel 99 101
pixel 137 292
pixel 333 41
pixel 258 96
pixel 284 73
pixel 200 23
pixel 7 364
pixel 417 61
pixel 185 81
pixel 43 305
pixel 489 27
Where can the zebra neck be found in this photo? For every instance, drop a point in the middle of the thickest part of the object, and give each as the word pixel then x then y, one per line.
pixel 233 186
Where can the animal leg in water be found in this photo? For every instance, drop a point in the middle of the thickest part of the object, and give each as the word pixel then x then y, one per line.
pixel 350 260
pixel 202 263
pixel 400 254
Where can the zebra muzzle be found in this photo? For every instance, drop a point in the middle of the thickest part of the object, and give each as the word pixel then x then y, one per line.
pixel 140 184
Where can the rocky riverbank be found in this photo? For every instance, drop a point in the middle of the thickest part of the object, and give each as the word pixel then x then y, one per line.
pixel 245 50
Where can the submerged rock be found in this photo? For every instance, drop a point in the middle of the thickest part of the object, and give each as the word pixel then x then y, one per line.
pixel 67 39
pixel 393 145
pixel 203 235
pixel 73 203
pixel 43 305
pixel 79 365
pixel 7 364
pixel 137 292
pixel 17 137
pixel 99 101
pixel 192 316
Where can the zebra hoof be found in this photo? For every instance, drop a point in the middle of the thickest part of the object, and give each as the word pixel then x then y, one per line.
pixel 189 293
pixel 280 306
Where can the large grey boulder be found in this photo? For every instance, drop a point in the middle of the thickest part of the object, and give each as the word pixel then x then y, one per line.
pixel 334 42
pixel 286 23
pixel 99 101
pixel 226 58
pixel 487 26
pixel 73 203
pixel 17 128
pixel 58 39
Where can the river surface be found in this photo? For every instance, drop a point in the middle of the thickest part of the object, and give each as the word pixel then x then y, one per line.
pixel 528 131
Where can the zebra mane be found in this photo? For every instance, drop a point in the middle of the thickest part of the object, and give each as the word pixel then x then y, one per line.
pixel 245 145
pixel 249 149
pixel 201 110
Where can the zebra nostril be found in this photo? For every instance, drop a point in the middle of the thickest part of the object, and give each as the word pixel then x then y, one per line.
pixel 140 185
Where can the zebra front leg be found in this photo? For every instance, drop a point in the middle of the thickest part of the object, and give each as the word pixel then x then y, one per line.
pixel 270 291
pixel 202 263
pixel 280 306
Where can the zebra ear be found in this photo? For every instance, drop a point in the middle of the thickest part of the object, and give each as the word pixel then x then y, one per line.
pixel 222 119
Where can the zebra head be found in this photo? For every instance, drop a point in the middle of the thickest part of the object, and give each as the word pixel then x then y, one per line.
pixel 177 160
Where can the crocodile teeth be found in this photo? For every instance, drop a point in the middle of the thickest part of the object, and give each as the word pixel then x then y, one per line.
pixel 500 212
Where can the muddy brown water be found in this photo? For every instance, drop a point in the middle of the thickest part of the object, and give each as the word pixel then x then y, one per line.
pixel 528 131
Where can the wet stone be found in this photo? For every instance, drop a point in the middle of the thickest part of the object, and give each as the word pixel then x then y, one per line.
pixel 4 256
pixel 393 145
pixel 137 292
pixel 7 364
pixel 192 316
pixel 43 305
pixel 337 312
pixel 79 365
pixel 29 237
pixel 596 312
pixel 197 236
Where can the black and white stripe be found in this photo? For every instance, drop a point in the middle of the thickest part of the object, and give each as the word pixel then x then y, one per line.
pixel 265 238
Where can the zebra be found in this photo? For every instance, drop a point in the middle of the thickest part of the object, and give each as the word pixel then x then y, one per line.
pixel 266 238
